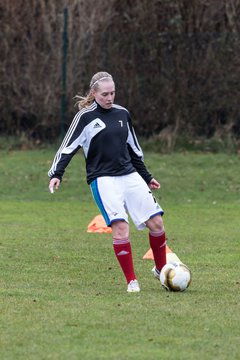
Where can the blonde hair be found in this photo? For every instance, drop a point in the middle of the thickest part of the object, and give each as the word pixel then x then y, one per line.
pixel 85 101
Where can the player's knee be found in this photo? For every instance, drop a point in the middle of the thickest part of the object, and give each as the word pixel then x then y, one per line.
pixel 120 229
pixel 155 224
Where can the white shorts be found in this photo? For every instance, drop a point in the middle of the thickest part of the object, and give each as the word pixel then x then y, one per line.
pixel 118 195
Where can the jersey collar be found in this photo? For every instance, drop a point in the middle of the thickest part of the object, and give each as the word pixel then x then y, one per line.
pixel 102 110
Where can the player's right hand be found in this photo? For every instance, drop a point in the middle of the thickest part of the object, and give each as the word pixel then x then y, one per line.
pixel 54 185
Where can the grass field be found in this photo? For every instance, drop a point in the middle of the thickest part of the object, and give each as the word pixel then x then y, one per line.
pixel 63 295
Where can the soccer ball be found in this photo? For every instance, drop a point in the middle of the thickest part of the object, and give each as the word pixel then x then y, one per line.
pixel 175 277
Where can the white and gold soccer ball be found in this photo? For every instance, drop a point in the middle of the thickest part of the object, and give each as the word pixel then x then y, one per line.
pixel 175 277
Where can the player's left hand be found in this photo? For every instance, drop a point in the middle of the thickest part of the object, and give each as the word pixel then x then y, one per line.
pixel 154 184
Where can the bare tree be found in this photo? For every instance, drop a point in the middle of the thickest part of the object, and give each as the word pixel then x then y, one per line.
pixel 176 63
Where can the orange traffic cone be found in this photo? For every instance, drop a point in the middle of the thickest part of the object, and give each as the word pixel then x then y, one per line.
pixel 171 256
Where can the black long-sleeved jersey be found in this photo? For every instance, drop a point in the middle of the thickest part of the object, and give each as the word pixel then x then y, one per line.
pixel 109 143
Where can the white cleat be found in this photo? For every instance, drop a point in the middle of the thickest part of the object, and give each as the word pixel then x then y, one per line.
pixel 156 273
pixel 133 286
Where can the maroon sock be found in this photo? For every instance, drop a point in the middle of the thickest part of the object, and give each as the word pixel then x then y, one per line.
pixel 157 242
pixel 123 252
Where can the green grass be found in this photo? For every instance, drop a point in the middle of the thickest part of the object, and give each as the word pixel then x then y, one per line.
pixel 63 295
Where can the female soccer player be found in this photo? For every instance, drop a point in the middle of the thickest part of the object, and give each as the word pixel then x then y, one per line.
pixel 116 173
